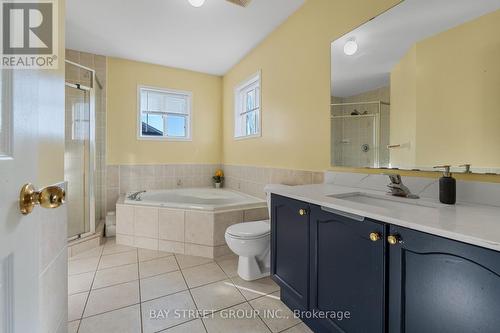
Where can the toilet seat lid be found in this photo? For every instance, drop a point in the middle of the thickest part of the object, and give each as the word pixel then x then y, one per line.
pixel 249 229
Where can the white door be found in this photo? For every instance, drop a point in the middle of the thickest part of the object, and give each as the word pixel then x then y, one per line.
pixel 33 254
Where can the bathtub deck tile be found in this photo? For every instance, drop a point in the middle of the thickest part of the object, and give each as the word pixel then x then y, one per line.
pixel 199 228
pixel 146 222
pixel 171 224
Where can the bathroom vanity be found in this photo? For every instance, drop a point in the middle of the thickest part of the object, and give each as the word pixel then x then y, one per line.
pixel 385 267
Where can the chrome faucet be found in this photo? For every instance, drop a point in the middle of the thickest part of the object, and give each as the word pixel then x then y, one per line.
pixel 398 189
pixel 136 195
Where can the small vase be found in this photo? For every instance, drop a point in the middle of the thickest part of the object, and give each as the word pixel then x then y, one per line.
pixel 218 185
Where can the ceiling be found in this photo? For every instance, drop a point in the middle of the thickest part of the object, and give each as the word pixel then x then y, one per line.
pixel 384 40
pixel 210 39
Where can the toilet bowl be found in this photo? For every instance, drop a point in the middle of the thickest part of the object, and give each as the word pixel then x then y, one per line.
pixel 251 242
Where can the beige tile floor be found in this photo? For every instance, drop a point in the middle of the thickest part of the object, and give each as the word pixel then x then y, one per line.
pixel 116 288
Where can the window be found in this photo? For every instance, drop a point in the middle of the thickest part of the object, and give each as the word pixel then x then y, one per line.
pixel 247 108
pixel 164 114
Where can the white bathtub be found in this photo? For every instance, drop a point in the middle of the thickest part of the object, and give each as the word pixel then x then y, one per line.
pixel 208 199
pixel 185 221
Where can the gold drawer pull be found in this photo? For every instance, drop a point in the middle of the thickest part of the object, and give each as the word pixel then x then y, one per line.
pixel 374 236
pixel 393 239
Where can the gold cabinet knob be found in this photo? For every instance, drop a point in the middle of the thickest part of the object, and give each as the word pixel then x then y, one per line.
pixel 393 239
pixel 48 197
pixel 374 236
pixel 302 212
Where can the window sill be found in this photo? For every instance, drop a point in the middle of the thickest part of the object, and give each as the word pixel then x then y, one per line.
pixel 247 137
pixel 142 138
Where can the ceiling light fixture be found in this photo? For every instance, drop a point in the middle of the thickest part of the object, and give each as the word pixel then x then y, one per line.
pixel 350 47
pixel 196 3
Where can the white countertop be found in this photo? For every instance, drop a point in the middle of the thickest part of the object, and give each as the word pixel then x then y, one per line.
pixel 466 222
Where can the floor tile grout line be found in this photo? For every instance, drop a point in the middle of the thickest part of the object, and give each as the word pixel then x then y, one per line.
pixel 119 308
pixel 261 319
pixel 119 252
pixel 140 296
pixel 181 270
pixel 76 257
pixel 102 269
pixel 249 300
pixel 230 279
pixel 224 308
pixel 177 292
pixel 111 285
pixel 120 265
pixel 286 329
pixel 190 294
pixel 108 311
pixel 150 277
pixel 197 265
pixel 151 259
pixel 171 255
pixel 176 325
pixel 88 295
pixel 203 318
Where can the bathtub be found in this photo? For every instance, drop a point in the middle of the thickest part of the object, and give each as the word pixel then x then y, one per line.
pixel 208 199
pixel 186 221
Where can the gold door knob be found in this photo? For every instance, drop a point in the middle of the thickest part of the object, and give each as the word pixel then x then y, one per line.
pixel 393 239
pixel 374 236
pixel 49 197
pixel 302 211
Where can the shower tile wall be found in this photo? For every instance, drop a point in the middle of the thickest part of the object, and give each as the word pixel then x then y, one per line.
pixel 97 63
pixel 351 134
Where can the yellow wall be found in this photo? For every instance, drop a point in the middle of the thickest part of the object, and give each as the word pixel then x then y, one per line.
pixel 295 64
pixel 123 147
pixel 404 110
pixel 458 89
pixel 455 96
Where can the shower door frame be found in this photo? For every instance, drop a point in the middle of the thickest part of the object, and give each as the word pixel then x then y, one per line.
pixel 92 148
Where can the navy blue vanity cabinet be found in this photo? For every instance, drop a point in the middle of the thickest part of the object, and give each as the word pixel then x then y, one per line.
pixel 348 272
pixel 438 285
pixel 290 250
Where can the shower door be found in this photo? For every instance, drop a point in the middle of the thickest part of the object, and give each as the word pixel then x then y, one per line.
pixel 78 159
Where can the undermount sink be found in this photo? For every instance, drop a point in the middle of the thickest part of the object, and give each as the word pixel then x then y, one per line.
pixel 383 201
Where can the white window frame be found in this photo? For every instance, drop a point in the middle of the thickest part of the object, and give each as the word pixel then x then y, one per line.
pixel 188 115
pixel 240 90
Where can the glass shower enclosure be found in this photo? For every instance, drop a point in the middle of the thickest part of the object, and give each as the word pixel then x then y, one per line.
pixel 360 134
pixel 79 156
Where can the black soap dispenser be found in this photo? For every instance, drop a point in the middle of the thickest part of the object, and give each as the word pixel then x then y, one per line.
pixel 447 186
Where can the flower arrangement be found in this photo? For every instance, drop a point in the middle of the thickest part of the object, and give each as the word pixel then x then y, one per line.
pixel 218 177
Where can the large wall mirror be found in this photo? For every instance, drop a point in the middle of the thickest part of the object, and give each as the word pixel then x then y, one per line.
pixel 419 86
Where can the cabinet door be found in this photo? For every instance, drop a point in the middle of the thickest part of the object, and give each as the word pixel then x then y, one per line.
pixel 348 272
pixel 290 250
pixel 442 286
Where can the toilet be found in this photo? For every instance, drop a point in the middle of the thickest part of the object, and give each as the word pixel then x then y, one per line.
pixel 251 241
